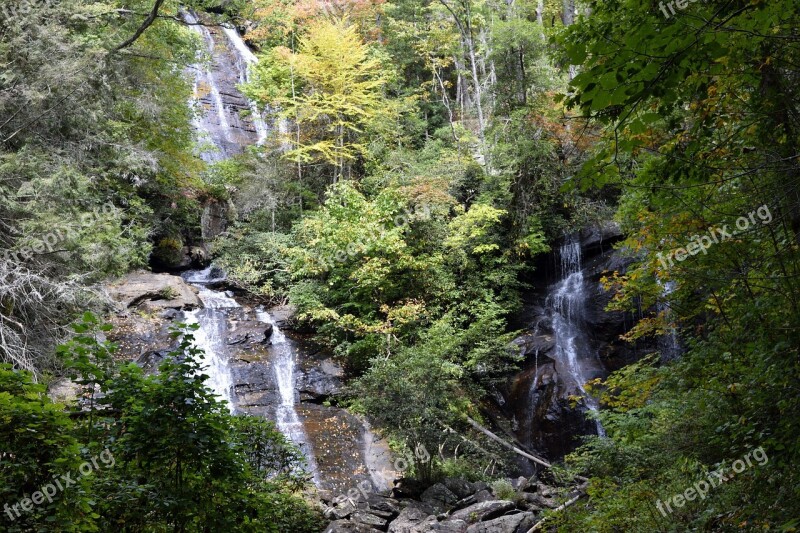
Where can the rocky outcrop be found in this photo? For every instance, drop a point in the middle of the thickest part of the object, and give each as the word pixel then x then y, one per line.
pixel 214 219
pixel 147 305
pixel 321 380
pixel 152 293
pixel 453 505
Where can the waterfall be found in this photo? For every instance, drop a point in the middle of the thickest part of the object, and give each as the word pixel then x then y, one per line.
pixel 288 420
pixel 669 343
pixel 210 336
pixel 566 303
pixel 244 60
pixel 218 103
pixel 210 119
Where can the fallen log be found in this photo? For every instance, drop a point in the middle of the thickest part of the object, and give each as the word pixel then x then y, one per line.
pixel 508 445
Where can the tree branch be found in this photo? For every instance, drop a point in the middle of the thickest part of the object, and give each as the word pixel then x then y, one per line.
pixel 146 24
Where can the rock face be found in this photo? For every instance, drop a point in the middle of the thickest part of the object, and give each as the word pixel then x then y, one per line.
pixel 453 505
pixel 322 378
pixel 152 293
pixel 214 219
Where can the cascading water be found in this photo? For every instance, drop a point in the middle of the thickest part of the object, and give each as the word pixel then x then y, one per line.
pixel 669 344
pixel 566 304
pixel 218 102
pixel 210 336
pixel 288 421
pixel 245 59
pixel 235 353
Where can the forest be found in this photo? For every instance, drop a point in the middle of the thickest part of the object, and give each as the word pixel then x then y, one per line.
pixel 477 266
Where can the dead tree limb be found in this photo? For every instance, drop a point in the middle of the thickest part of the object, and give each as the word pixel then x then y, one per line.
pixel 507 444
pixel 540 524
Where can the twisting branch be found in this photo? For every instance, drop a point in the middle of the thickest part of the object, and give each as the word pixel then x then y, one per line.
pixel 146 24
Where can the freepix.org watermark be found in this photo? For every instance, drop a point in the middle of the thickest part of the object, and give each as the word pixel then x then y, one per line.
pixel 47 242
pixel 714 480
pixel 59 483
pixel 17 9
pixel 672 4
pixel 716 235
pixel 364 488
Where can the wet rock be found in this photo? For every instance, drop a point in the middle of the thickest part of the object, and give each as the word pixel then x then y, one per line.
pixel 600 237
pixel 483 511
pixel 283 315
pixel 251 332
pixel 320 381
pixel 531 344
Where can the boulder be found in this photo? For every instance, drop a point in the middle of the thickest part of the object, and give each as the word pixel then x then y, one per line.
pixel 520 483
pixel 320 380
pixel 599 237
pixel 410 517
pixel 381 503
pixel 439 497
pixel 504 524
pixel 369 519
pixel 407 488
pixel 244 330
pixel 460 487
pixel 482 511
pixel 152 292
pixel 450 526
pixel 345 526
pixel 341 510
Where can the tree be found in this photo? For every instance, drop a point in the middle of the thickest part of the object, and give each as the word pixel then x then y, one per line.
pixel 182 461
pixel 700 112
pixel 339 93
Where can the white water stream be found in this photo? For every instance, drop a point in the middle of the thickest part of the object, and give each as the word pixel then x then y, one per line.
pixel 284 364
pixel 211 335
pixel 566 303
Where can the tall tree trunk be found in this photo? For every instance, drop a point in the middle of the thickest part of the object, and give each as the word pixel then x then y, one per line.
pixel 568 18
pixel 465 28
